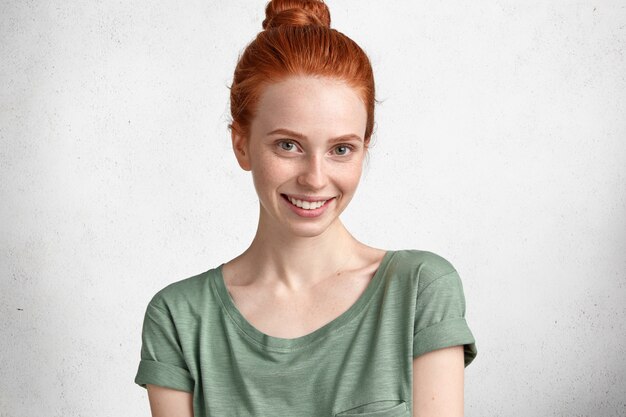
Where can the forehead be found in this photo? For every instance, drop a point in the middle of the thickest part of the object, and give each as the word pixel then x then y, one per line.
pixel 311 105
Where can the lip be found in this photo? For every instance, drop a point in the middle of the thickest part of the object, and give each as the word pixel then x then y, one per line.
pixel 310 199
pixel 307 213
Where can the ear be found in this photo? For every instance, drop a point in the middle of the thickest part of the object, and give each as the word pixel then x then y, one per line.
pixel 241 148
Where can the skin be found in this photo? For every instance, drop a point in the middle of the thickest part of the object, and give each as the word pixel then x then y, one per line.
pixel 438 379
pixel 167 402
pixel 293 263
pixel 290 251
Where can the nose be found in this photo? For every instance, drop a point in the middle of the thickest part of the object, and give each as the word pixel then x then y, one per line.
pixel 313 173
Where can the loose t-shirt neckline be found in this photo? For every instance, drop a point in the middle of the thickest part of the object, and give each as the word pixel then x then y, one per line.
pixel 283 344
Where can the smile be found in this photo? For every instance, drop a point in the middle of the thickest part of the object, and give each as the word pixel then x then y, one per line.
pixel 307 205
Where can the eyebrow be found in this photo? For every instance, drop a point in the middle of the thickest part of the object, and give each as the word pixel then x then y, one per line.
pixel 287 132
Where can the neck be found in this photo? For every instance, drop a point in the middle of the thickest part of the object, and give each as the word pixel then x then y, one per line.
pixel 297 260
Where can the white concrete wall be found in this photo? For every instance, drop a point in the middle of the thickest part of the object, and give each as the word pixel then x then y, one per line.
pixel 500 145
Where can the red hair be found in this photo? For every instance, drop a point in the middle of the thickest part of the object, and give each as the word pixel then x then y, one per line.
pixel 297 40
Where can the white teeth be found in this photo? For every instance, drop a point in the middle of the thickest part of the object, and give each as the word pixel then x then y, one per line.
pixel 307 205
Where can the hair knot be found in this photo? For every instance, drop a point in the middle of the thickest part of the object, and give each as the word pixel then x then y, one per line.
pixel 296 13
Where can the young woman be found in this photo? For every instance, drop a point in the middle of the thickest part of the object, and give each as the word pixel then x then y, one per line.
pixel 307 321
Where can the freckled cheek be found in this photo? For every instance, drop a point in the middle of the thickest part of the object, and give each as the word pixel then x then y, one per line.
pixel 353 177
pixel 267 173
pixel 352 173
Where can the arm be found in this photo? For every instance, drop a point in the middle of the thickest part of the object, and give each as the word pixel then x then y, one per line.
pixel 167 402
pixel 438 383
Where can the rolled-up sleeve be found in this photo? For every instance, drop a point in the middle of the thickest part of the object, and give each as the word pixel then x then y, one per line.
pixel 440 318
pixel 162 361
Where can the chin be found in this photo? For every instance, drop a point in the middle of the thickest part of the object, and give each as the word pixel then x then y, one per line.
pixel 308 231
pixel 312 230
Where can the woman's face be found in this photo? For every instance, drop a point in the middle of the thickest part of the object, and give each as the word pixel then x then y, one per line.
pixel 305 142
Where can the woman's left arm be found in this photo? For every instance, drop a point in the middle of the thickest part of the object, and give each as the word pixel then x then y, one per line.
pixel 438 383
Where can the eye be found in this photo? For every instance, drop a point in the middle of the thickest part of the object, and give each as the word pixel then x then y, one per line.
pixel 344 149
pixel 286 145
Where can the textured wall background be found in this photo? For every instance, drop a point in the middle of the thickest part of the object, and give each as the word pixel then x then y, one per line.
pixel 500 145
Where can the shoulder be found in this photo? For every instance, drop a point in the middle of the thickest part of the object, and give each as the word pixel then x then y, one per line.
pixel 183 293
pixel 424 266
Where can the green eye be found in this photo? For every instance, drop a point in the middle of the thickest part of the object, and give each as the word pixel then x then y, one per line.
pixel 347 149
pixel 289 145
pixel 341 150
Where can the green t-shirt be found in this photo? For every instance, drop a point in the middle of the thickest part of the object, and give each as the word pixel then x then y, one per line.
pixel 196 340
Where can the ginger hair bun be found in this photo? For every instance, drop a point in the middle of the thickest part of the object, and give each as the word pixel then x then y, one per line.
pixel 296 13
